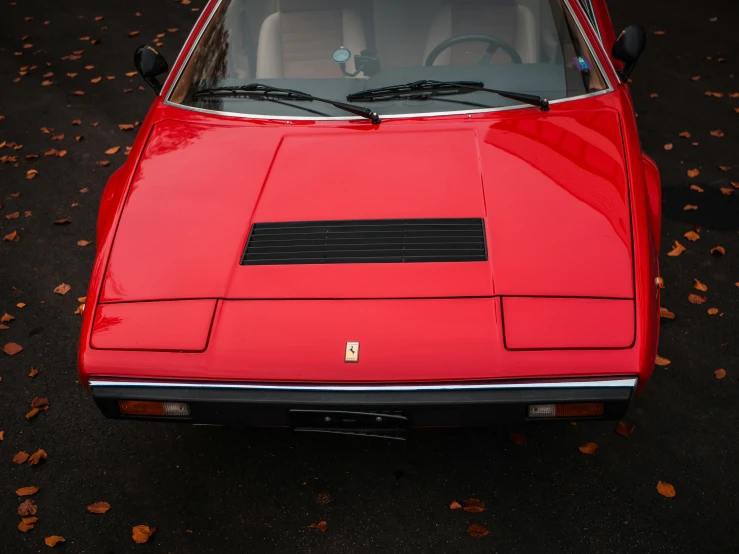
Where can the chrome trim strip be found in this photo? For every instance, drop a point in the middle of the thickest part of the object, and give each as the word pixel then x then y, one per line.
pixel 259 117
pixel 629 383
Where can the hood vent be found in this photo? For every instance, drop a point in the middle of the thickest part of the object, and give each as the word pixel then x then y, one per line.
pixel 373 241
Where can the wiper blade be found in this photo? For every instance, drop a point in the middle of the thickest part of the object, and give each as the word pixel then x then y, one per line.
pixel 259 90
pixel 428 89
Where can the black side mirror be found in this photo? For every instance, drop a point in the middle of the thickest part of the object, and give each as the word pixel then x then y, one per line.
pixel 628 47
pixel 150 64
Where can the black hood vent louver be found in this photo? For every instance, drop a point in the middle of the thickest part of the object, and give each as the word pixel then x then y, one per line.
pixel 369 242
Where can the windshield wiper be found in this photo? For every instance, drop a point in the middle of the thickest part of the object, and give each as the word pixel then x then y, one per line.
pixel 267 92
pixel 419 90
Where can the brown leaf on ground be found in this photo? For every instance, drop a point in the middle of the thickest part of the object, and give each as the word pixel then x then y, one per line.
pixel 32 413
pixel 476 530
pixel 690 208
pixel 83 242
pixel 717 133
pixel 40 403
pixel 134 33
pixel 692 236
pixel 62 289
pixel 53 540
pixel 665 489
pixel 517 438
pixel 685 134
pixel 29 520
pixel 735 184
pixel 26 491
pixel 21 457
pixel 2 435
pixel 697 285
pixel 104 163
pixel 31 174
pixel 664 313
pixel 677 249
pixel 142 533
pixel 718 251
pixel 132 73
pixel 14 215
pixel 455 505
pixel 25 527
pixel 12 237
pixel 692 173
pixel 625 429
pixel 724 167
pixel 473 505
pixel 712 311
pixel 12 348
pixel 125 127
pixel 20 305
pixel 6 318
pixel 98 508
pixel 63 221
pixel 697 299
pixel 113 150
pixel 660 361
pixel 37 456
pixel 27 508
pixel 96 80
pixel 321 525
pixel 589 448
pixel 726 191
pixel 80 310
pixel 720 373
pixel 33 372
pixel 668 146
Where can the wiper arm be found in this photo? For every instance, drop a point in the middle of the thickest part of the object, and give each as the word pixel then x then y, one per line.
pixel 430 89
pixel 258 90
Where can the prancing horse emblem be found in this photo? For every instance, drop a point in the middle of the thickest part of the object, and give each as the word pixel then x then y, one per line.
pixel 352 352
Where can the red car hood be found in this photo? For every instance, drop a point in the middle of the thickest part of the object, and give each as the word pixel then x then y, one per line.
pixel 551 189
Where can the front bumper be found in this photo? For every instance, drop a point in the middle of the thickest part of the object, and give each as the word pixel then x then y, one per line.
pixel 419 405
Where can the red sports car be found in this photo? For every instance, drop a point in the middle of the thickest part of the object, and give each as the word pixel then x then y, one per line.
pixel 365 215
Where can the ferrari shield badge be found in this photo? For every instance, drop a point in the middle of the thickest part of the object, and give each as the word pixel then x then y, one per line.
pixel 352 352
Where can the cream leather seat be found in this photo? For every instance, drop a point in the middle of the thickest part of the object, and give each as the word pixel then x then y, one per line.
pixel 510 20
pixel 299 40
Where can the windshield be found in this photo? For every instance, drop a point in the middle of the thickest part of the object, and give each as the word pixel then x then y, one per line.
pixel 335 48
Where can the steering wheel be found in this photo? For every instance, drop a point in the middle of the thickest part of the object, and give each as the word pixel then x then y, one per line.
pixel 493 44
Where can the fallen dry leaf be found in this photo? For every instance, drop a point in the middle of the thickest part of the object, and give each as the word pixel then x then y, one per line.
pixel 668 146
pixel 717 133
pixel 104 163
pixel 696 188
pixel 697 285
pixel 20 305
pixel 724 167
pixel 720 373
pixel 712 311
pixel 665 489
pixel 125 127
pixel 33 372
pixel 476 530
pixel 690 207
pixel 25 526
pixel 98 508
pixel 589 448
pixel 321 525
pixel 134 33
pixel 718 251
pixel 31 174
pixel 26 491
pixel 664 313
pixel 53 540
pixel 63 221
pixel 132 73
pixel 32 413
pixel 455 505
pixel 693 173
pixel 37 456
pixel 21 457
pixel 27 508
pixel 473 505
pixel 685 134
pixel 677 249
pixel 12 348
pixel 142 533
pixel 625 429
pixel 40 402
pixel 697 299
pixel 660 361
pixel 2 435
pixel 12 237
pixel 692 236
pixel 62 289
pixel 113 150
pixel 517 438
pixel 83 242
pixel 6 318
pixel 96 79
pixel 726 191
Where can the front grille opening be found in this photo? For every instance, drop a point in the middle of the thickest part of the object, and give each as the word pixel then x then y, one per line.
pixel 370 241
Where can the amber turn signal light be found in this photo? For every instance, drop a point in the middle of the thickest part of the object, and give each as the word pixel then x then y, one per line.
pixel 590 409
pixel 147 408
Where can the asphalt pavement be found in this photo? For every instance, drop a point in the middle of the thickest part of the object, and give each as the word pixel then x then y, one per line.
pixel 210 489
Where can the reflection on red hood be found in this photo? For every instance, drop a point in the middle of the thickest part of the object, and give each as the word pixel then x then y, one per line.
pixel 551 188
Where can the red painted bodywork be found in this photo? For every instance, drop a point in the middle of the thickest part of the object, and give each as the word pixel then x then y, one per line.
pixel 572 215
